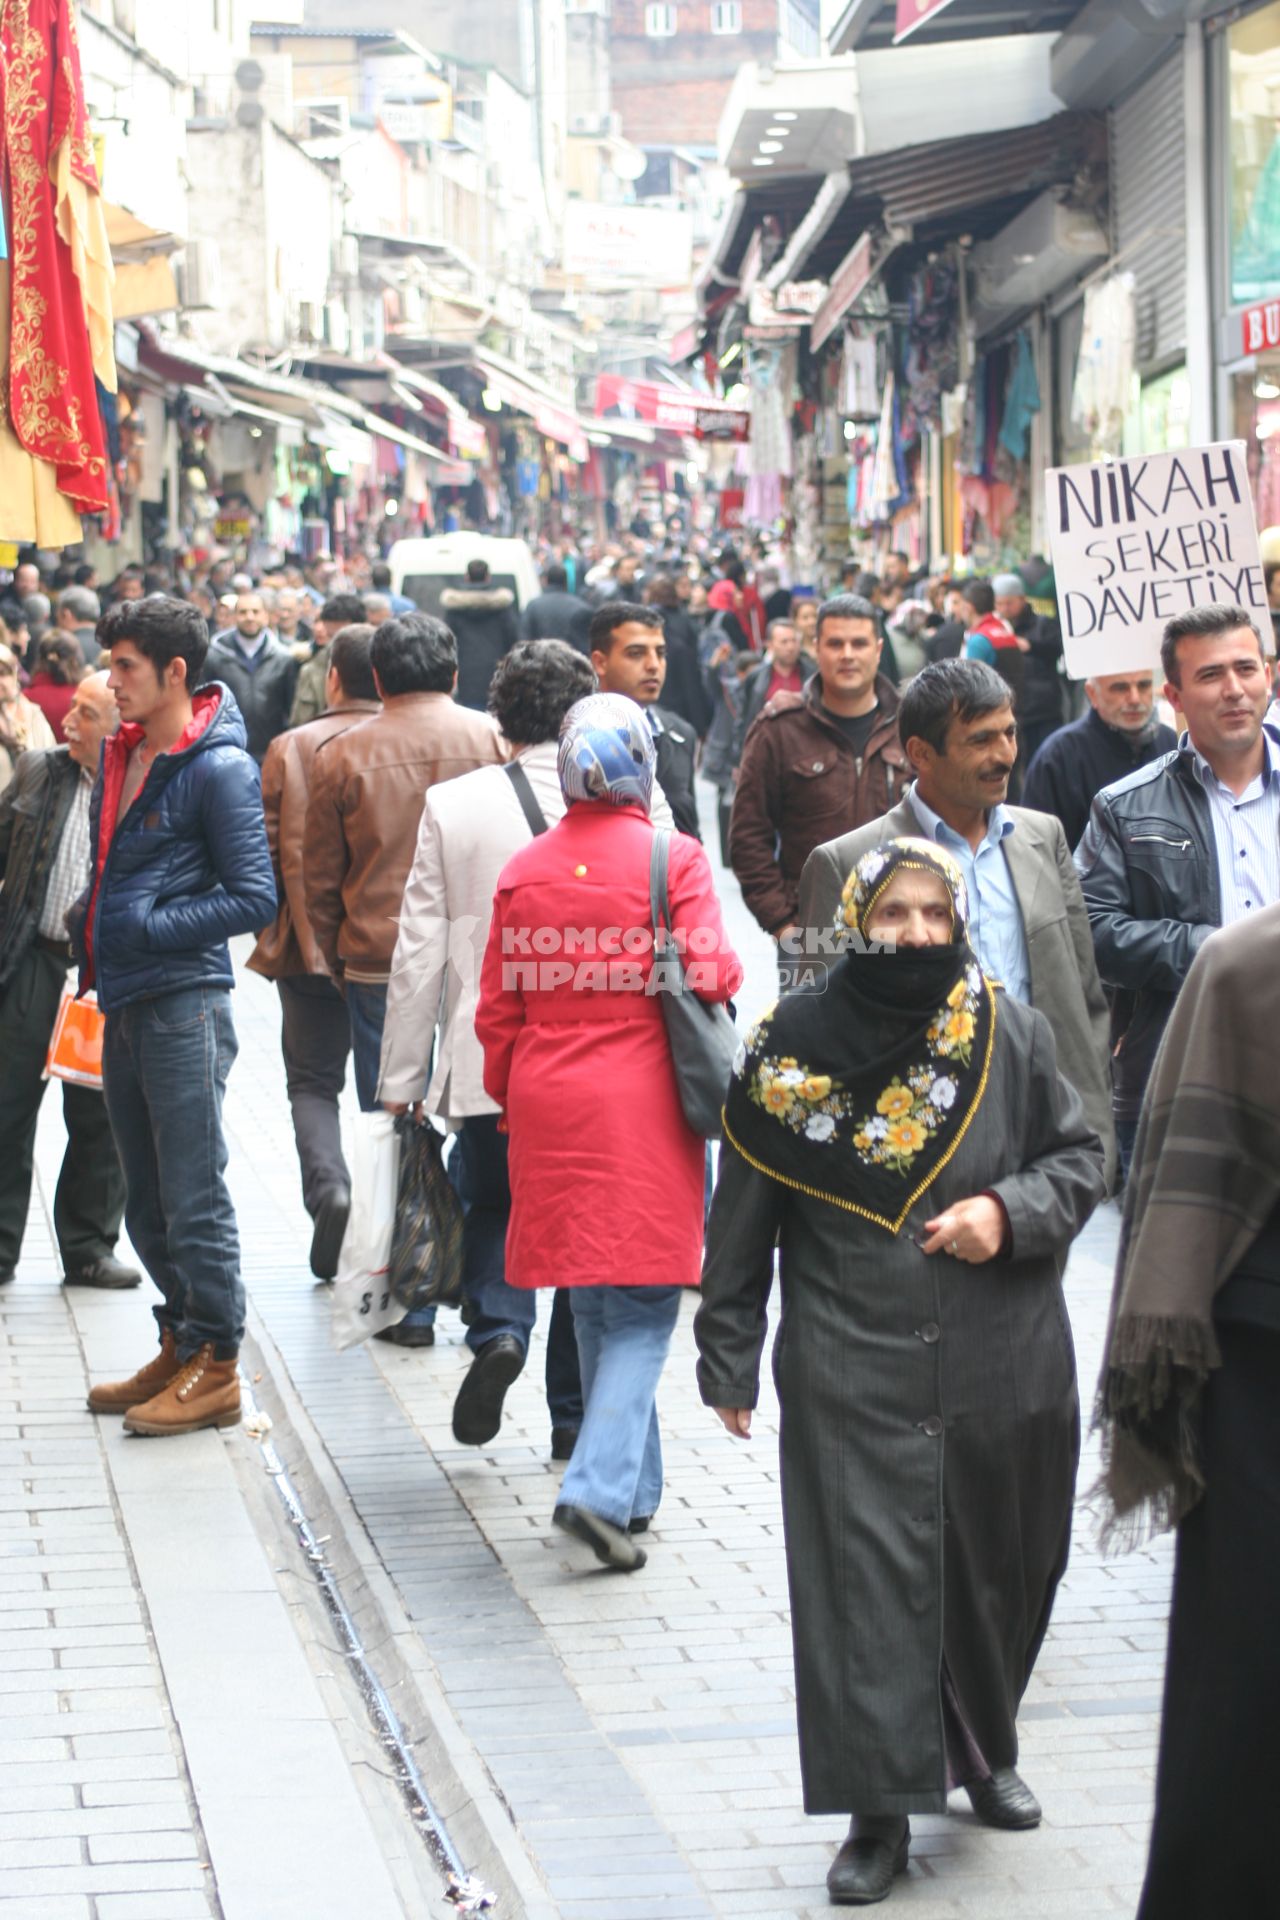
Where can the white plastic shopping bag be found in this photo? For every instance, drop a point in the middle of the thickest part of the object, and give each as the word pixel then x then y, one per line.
pixel 363 1303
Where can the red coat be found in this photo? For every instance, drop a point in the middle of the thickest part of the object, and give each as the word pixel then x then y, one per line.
pixel 606 1175
pixel 52 700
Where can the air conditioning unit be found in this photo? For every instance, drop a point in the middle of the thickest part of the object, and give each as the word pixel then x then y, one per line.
pixel 346 257
pixel 590 123
pixel 323 119
pixel 198 271
pixel 310 321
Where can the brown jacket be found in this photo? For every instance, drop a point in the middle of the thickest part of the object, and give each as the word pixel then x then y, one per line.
pixel 288 946
pixel 799 784
pixel 367 792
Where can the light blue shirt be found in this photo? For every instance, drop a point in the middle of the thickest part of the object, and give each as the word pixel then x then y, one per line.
pixel 1246 833
pixel 995 921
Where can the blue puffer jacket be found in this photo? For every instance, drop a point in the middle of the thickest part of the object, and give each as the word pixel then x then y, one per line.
pixel 186 868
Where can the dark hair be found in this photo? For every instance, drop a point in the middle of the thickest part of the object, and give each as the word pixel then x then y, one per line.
pixel 846 606
pixel 866 585
pixel 84 573
pixel 342 610
pixel 349 659
pixel 980 595
pixel 162 629
pixel 773 626
pixel 1201 623
pixel 735 572
pixel 534 687
pixel 799 600
pixel 896 553
pixel 477 570
pixel 949 690
pixel 380 575
pixel 745 663
pixel 415 654
pixel 606 620
pixel 662 591
pixel 60 655
pixel 556 576
pixel 13 615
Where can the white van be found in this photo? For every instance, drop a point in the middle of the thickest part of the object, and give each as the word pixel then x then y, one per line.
pixel 422 569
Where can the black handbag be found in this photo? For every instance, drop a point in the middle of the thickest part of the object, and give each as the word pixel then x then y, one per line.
pixel 425 1268
pixel 701 1033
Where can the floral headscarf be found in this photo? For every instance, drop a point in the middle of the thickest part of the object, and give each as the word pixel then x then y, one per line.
pixel 607 752
pixel 859 1090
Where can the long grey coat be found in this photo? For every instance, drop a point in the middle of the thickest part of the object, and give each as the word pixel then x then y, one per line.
pixel 930 1436
pixel 1064 974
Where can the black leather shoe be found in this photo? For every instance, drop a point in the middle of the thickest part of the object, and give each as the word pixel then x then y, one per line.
pixel 1004 1799
pixel 6 1275
pixel 608 1543
pixel 107 1272
pixel 402 1336
pixel 563 1441
pixel 477 1410
pixel 864 1871
pixel 640 1523
pixel 328 1231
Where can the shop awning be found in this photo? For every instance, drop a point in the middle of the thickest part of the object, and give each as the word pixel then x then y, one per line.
pixel 520 391
pixel 974 185
pixel 884 23
pixel 144 281
pixel 401 437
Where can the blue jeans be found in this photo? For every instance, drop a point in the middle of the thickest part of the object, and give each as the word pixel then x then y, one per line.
pixel 478 1170
pixel 367 1011
pixel 624 1334
pixel 164 1071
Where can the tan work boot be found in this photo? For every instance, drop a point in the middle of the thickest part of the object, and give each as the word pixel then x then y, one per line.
pixel 117 1396
pixel 205 1393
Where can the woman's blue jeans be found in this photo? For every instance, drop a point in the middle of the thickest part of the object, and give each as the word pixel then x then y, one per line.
pixel 624 1334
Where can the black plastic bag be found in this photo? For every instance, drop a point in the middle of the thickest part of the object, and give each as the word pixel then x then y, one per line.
pixel 426 1247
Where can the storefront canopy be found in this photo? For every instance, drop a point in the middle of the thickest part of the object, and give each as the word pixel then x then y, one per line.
pixel 883 23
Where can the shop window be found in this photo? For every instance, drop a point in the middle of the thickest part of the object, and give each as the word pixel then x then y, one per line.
pixel 659 20
pixel 1254 79
pixel 726 16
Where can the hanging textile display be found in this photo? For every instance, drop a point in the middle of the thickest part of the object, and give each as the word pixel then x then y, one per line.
pixel 1103 390
pixel 772 378
pixel 1021 400
pixel 55 286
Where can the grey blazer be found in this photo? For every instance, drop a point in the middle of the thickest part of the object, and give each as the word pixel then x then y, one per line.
pixel 1064 975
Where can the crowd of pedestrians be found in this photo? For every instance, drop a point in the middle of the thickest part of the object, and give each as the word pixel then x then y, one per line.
pixel 1002 990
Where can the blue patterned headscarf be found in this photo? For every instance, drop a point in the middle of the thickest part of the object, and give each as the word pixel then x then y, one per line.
pixel 607 752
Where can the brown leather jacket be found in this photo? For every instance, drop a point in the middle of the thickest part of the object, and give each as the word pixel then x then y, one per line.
pixel 288 945
pixel 799 784
pixel 367 792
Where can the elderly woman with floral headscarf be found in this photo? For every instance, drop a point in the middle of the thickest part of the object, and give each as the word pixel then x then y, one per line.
pixel 22 725
pixel 906 1139
pixel 606 1174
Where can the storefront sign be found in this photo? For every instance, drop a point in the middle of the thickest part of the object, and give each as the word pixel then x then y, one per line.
pixel 792 305
pixel 651 245
pixel 618 398
pixel 729 507
pixel 467 438
pixel 847 282
pixel 1260 327
pixel 1137 541
pixel 913 14
pixel 230 527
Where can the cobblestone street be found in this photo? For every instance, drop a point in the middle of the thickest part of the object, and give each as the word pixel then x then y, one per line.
pixel 605 1748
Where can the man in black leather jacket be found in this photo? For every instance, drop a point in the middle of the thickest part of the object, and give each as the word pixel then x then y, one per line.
pixel 1149 862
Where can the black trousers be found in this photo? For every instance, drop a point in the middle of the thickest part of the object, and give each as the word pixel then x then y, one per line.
pixel 88 1203
pixel 1218 1778
pixel 316 1039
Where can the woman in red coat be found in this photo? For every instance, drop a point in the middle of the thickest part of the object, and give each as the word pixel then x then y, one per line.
pixel 606 1174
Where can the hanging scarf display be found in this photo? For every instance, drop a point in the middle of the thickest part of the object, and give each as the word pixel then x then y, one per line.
pixel 60 262
pixel 861 1094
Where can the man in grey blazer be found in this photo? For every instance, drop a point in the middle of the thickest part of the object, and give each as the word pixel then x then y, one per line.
pixel 1029 924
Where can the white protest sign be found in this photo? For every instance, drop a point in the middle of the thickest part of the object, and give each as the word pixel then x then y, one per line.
pixel 1137 541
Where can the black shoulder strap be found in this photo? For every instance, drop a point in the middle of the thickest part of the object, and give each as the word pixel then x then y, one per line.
pixel 525 795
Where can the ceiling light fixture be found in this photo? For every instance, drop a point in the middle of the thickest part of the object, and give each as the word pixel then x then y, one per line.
pixel 776 133
pixel 786 116
pixel 758 162
pixel 771 146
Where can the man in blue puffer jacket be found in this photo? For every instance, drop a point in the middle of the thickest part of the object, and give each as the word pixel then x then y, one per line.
pixel 179 862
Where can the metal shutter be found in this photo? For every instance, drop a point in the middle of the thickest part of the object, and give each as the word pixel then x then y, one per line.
pixel 1148 210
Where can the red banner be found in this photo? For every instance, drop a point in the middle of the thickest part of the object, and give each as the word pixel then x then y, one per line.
pixel 1260 327
pixel 697 414
pixel 913 14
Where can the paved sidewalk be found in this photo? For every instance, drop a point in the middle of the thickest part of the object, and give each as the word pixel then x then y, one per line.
pixel 641 1730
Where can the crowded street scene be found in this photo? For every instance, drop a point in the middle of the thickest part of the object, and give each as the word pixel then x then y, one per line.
pixel 640 822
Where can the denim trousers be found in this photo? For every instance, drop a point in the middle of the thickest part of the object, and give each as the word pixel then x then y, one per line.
pixel 478 1170
pixel 165 1063
pixel 315 1039
pixel 367 1011
pixel 624 1334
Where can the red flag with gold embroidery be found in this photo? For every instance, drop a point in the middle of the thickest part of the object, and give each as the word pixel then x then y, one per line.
pixel 59 260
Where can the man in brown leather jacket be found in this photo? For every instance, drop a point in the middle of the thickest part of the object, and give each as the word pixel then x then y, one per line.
pixel 368 787
pixel 315 1032
pixel 816 764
